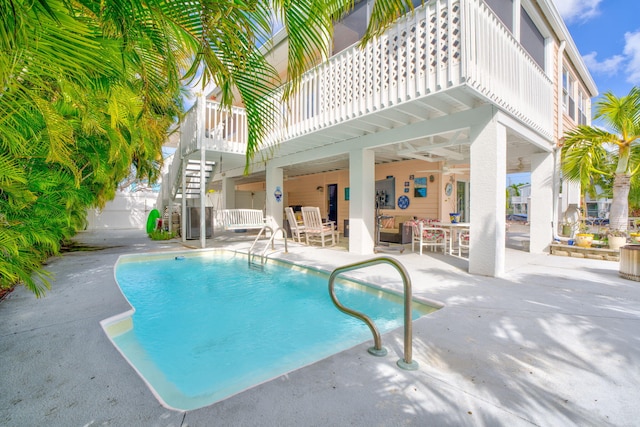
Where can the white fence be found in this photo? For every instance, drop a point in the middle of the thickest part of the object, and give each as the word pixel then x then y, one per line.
pixel 125 211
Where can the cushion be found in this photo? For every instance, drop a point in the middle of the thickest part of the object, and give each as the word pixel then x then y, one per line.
pixel 388 222
pixel 433 235
pixel 403 218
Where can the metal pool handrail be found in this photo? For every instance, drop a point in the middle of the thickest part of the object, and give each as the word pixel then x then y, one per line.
pixel 377 349
pixel 271 241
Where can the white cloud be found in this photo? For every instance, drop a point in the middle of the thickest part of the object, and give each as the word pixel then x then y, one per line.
pixel 632 51
pixel 609 66
pixel 577 10
pixel 629 60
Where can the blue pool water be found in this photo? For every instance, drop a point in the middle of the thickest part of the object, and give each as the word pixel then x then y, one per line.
pixel 206 327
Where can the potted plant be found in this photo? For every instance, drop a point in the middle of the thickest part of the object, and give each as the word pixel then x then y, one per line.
pixel 584 238
pixel 567 228
pixel 616 239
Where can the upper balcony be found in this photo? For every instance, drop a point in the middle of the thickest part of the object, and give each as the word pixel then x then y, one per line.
pixel 455 48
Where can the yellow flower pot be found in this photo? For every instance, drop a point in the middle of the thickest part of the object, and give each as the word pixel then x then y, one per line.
pixel 584 240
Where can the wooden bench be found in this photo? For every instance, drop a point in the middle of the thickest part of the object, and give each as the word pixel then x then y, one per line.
pixel 243 219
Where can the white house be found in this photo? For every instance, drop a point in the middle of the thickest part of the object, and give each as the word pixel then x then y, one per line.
pixel 520 202
pixel 460 92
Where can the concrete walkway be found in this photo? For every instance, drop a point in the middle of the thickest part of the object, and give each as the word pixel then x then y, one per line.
pixel 556 342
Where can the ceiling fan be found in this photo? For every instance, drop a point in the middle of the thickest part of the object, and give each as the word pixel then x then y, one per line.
pixel 447 170
pixel 520 166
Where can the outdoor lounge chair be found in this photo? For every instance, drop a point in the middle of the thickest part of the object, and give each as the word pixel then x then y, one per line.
pixel 297 229
pixel 314 228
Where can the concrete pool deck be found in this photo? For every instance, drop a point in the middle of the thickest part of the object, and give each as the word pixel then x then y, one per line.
pixel 555 342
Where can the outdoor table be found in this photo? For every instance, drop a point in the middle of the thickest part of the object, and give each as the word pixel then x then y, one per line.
pixel 454 228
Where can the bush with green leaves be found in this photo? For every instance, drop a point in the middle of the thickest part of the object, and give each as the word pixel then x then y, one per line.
pixel 89 90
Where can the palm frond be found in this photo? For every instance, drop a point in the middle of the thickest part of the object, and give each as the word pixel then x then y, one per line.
pixel 384 13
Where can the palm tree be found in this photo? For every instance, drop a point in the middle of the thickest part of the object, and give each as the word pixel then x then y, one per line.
pixel 90 89
pixel 592 155
pixel 514 189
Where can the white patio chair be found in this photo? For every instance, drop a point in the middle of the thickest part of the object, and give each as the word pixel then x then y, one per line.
pixel 428 237
pixel 314 228
pixel 463 241
pixel 297 229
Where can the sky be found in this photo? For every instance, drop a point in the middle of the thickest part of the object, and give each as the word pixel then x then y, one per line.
pixel 607 34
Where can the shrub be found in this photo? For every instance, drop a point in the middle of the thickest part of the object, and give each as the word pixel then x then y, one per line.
pixel 162 235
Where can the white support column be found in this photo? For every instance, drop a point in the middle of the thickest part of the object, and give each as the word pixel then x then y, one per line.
pixel 488 183
pixel 361 201
pixel 516 20
pixel 200 142
pixel 541 207
pixel 228 193
pixel 275 196
pixel 570 195
pixel 183 219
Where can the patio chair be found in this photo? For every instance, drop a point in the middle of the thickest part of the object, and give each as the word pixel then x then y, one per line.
pixel 297 229
pixel 314 228
pixel 463 241
pixel 428 237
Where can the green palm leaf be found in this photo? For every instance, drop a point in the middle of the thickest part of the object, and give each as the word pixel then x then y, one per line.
pixel 607 158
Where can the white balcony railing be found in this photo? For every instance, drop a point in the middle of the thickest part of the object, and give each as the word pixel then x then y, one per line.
pixel 418 55
pixel 225 130
pixel 189 131
pixel 497 66
pixel 444 44
pixel 519 199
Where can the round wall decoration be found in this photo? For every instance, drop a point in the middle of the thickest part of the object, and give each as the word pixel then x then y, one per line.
pixel 403 202
pixel 448 189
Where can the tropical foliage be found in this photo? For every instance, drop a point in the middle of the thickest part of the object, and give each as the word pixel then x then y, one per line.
pixel 89 91
pixel 79 109
pixel 608 157
pixel 513 190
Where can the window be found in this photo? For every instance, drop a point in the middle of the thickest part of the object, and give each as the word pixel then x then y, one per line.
pixel 582 108
pixel 351 27
pixel 531 38
pixel 503 10
pixel 592 210
pixel 567 94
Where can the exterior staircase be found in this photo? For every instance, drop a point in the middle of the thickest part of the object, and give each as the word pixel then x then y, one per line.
pixel 194 181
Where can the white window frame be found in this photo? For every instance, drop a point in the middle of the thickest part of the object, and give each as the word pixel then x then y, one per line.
pixel 568 84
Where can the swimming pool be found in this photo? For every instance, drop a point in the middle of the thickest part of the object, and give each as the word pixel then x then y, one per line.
pixel 204 326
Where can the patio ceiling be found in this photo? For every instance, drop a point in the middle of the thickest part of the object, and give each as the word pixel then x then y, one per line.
pixel 452 150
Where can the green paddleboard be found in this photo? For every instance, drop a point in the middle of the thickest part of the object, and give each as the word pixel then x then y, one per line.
pixel 151 220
